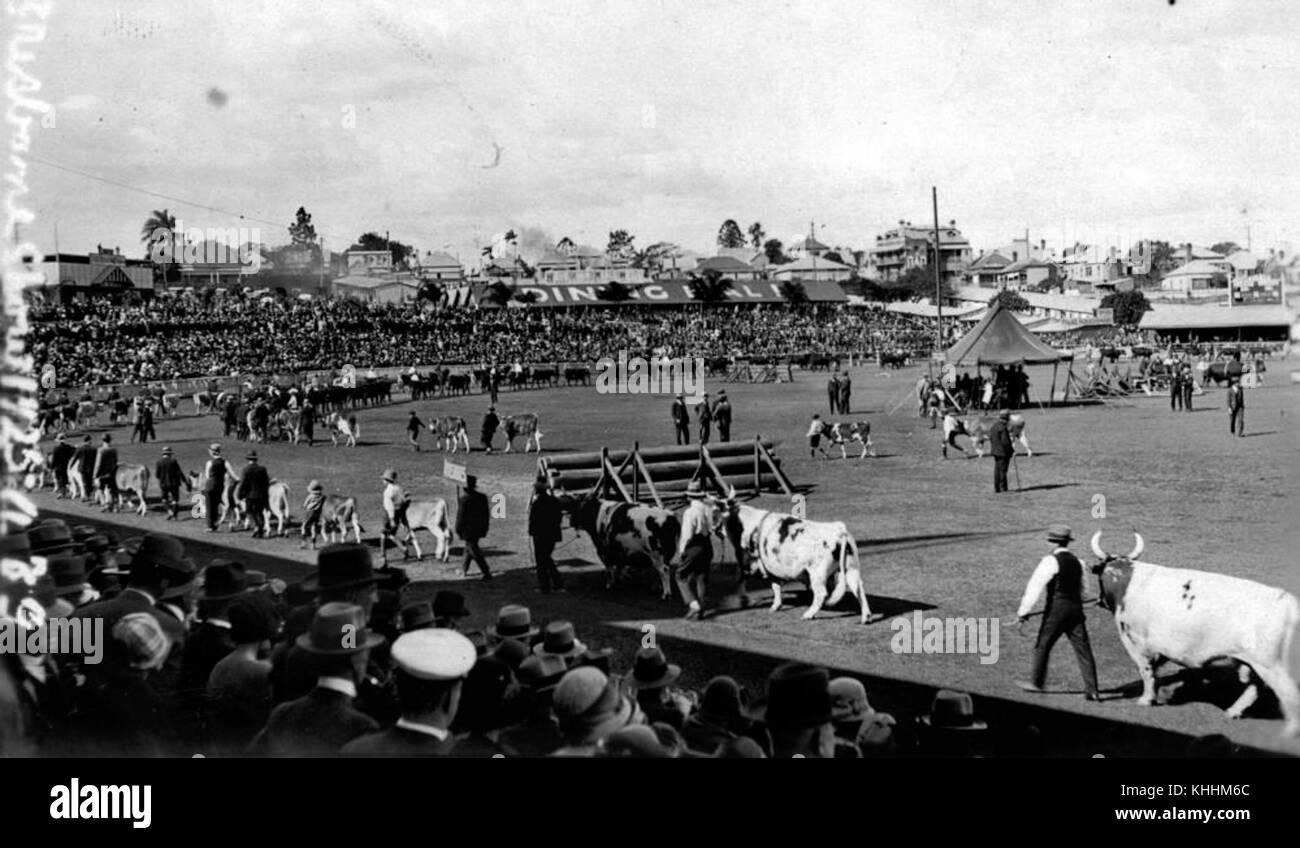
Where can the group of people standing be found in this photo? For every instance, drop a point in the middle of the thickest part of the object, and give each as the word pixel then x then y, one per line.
pixel 707 413
pixel 839 392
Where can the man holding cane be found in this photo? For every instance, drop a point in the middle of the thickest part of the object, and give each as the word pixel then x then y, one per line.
pixel 1061 574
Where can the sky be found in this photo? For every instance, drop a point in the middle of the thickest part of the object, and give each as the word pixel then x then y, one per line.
pixel 1097 122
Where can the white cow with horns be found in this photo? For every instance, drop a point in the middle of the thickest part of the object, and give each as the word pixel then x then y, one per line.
pixel 1193 617
pixel 783 548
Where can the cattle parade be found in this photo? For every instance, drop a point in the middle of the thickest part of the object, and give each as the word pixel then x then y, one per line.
pixel 815 380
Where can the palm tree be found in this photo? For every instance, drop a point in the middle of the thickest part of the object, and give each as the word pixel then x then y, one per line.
pixel 711 288
pixel 151 233
pixel 794 292
pixel 159 219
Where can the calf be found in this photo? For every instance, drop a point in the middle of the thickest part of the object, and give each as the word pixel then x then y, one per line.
pixel 977 427
pixel 449 433
pixel 339 515
pixel 857 431
pixel 86 413
pixel 132 482
pixel 627 534
pixel 525 425
pixel 277 506
pixel 429 515
pixel 345 427
pixel 1194 617
pixel 783 548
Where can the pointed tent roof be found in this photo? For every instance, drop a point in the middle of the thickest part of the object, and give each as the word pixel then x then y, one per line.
pixel 999 339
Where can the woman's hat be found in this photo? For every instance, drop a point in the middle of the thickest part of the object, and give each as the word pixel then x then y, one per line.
pixel 558 640
pixel 651 670
pixel 1059 533
pixel 341 566
pixel 513 622
pixel 722 701
pixel 589 705
pixel 952 711
pixel 339 630
pixel 798 696
pixel 849 700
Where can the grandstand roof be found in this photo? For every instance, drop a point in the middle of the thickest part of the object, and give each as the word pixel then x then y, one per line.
pixel 1179 316
pixel 1000 339
pixel 725 265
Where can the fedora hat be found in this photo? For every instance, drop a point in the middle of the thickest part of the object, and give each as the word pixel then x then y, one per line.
pixel 339 630
pixel 513 622
pixel 341 566
pixel 1059 533
pixel 251 456
pixel 15 546
pixel 167 451
pixel 651 670
pixel 50 537
pixel 416 616
pixel 512 652
pixel 694 490
pixel 798 696
pixel 448 604
pixel 315 486
pixel 541 673
pixel 214 449
pixel 68 572
pixel 389 475
pixel 952 711
pixel 153 555
pixel 558 640
pixel 179 579
pixel 223 579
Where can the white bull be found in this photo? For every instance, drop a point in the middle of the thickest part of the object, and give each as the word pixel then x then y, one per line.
pixel 429 515
pixel 783 548
pixel 347 428
pixel 277 506
pixel 1194 617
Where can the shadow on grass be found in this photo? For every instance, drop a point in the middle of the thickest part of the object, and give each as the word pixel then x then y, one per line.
pixel 1265 433
pixel 1044 487
pixel 902 543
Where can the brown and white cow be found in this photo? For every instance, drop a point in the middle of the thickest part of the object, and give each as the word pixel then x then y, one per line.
pixel 347 428
pixel 784 548
pixel 338 516
pixel 132 482
pixel 626 534
pixel 1195 617
pixel 978 427
pixel 525 425
pixel 450 433
pixel 857 431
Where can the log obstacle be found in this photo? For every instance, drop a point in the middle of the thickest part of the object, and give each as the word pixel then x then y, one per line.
pixel 660 473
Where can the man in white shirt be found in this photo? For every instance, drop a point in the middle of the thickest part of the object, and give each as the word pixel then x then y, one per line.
pixel 1061 574
pixel 694 551
pixel 395 503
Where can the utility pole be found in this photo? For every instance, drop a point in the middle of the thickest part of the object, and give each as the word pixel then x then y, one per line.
pixel 938 272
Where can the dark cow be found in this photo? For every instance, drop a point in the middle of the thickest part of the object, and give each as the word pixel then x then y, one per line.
pixel 892 359
pixel 449 433
pixel 626 534
pixel 577 374
pixel 458 384
pixel 525 425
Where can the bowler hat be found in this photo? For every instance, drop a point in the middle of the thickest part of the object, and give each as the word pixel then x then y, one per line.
pixel 513 622
pixel 223 579
pixel 341 566
pixel 339 630
pixel 416 616
pixel 558 640
pixel 798 696
pixel 1059 533
pixel 651 670
pixel 448 604
pixel 952 711
pixel 251 456
pixel 68 572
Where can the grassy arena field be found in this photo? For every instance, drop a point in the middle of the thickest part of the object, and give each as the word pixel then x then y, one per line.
pixel 933 537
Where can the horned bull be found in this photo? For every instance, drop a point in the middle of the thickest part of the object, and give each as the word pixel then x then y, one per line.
pixel 1194 617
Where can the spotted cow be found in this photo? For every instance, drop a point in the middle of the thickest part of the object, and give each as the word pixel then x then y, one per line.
pixel 626 534
pixel 977 427
pixel 525 425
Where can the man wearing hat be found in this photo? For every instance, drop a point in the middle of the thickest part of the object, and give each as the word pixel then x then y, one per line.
pixel 313 506
pixel 539 733
pixel 833 393
pixel 211 640
pixel 449 609
pixel 395 502
pixel 560 640
pixel 255 491
pixel 60 457
pixel 170 477
pixel 413 427
pixel 860 731
pixel 1061 574
pixel 544 524
pixel 952 728
pixel 473 515
pixel 68 585
pixel 418 616
pixel 705 416
pixel 722 415
pixel 307 421
pixel 50 537
pixel 490 424
pixel 83 461
pixel 105 472
pixel 214 485
pixel 681 420
pixel 694 551
pixel 513 622
pixel 845 391
pixel 1236 408
pixel 653 676
pixel 430 669
pixel 1000 447
pixel 590 707
pixel 321 722
pixel 797 712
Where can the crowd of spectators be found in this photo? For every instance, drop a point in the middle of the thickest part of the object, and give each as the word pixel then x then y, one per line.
pixel 99 343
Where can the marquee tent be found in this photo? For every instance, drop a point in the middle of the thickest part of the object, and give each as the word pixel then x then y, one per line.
pixel 1000 339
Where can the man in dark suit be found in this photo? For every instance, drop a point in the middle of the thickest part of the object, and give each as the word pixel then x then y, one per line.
pixel 544 524
pixel 1175 388
pixel 170 477
pixel 681 420
pixel 105 472
pixel 472 518
pixel 59 458
pixel 158 567
pixel 1000 442
pixel 491 422
pixel 255 490
pixel 1236 408
pixel 321 722
pixel 1061 575
pixel 833 393
pixel 722 415
pixel 431 667
pixel 210 642
pixel 846 391
pixel 705 413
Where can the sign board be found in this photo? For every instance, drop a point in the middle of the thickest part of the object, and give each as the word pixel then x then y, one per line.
pixel 452 471
pixel 1107 315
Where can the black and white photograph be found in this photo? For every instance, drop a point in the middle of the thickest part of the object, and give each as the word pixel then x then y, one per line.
pixel 733 379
